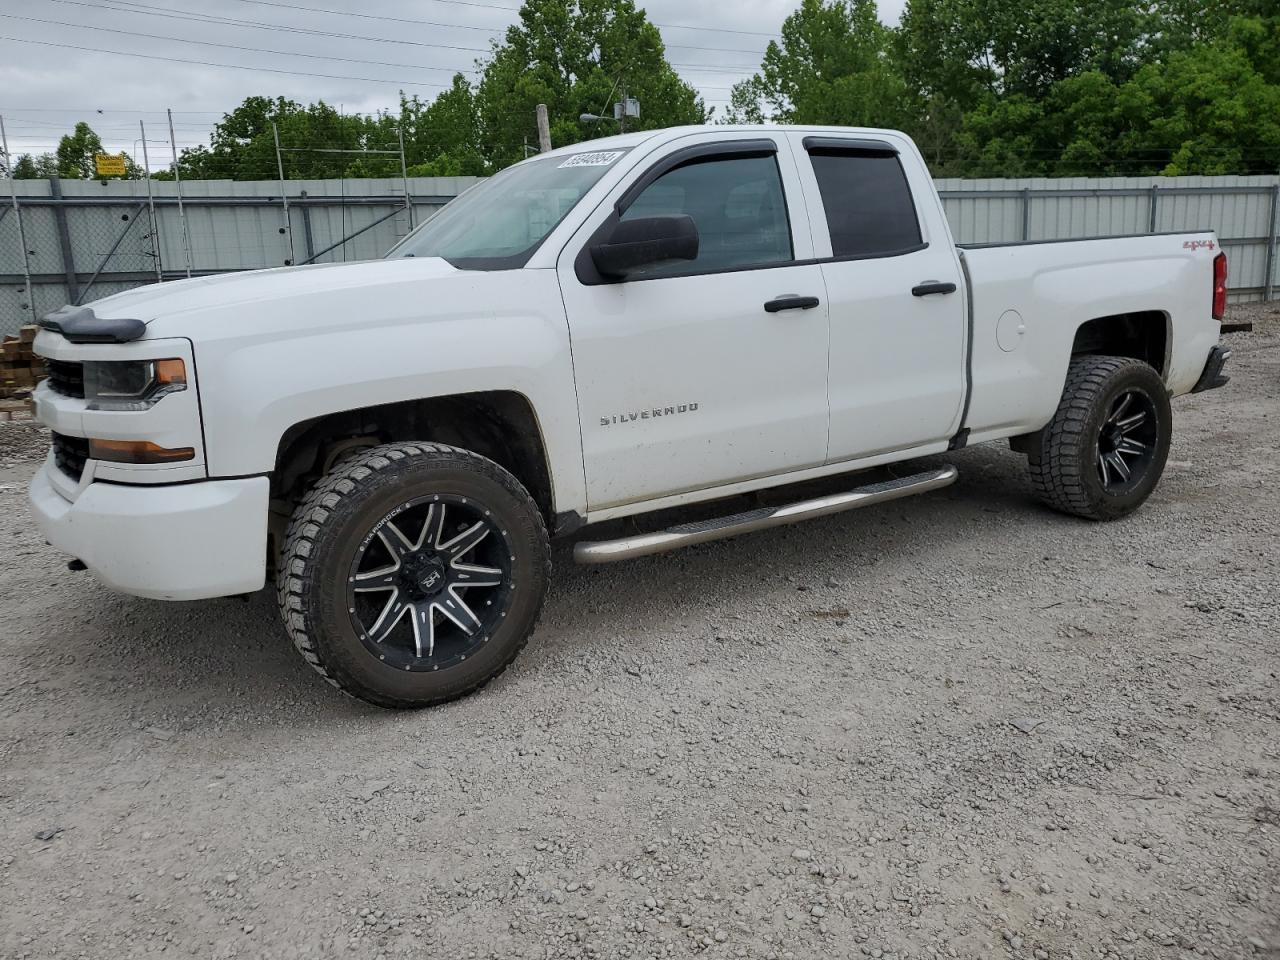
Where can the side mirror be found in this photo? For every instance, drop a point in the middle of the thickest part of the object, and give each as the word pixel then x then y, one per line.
pixel 645 242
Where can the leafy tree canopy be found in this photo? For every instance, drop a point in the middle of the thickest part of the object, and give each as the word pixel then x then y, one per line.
pixel 986 88
pixel 577 56
pixel 72 160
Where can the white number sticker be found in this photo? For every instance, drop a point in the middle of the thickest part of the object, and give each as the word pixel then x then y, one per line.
pixel 601 159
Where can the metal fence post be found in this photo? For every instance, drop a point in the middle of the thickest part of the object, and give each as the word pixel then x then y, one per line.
pixel 17 212
pixel 287 229
pixel 1026 213
pixel 1269 283
pixel 151 203
pixel 64 242
pixel 307 236
pixel 177 179
pixel 404 176
pixel 1151 218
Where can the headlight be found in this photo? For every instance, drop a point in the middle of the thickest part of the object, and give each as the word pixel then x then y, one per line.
pixel 131 384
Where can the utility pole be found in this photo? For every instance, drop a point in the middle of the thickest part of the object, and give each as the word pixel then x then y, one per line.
pixel 544 129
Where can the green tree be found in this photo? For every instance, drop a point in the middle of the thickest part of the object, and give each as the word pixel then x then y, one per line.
pixel 576 56
pixel 836 64
pixel 242 145
pixel 74 159
pixel 1206 110
pixel 76 153
pixel 40 167
pixel 960 49
pixel 442 138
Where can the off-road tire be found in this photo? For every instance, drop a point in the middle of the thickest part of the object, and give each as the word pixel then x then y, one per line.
pixel 1063 457
pixel 342 507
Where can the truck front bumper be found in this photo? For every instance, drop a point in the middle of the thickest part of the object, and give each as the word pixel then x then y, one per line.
pixel 187 541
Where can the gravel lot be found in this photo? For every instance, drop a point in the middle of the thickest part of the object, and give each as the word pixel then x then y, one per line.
pixel 955 726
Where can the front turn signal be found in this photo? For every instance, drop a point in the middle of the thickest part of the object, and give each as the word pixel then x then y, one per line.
pixel 137 451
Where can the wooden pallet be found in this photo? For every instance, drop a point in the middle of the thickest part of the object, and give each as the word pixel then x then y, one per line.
pixel 16 410
pixel 20 368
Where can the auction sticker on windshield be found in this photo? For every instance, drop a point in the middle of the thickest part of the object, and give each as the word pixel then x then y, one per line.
pixel 600 159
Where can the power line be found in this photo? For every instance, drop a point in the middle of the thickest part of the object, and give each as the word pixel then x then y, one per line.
pixel 236 46
pixel 104 110
pixel 370 16
pixel 490 6
pixel 226 66
pixel 147 9
pixel 128 6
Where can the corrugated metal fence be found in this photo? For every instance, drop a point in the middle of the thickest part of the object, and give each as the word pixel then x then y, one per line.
pixel 86 239
pixel 1242 210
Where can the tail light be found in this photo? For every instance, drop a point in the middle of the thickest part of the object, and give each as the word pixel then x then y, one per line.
pixel 1219 286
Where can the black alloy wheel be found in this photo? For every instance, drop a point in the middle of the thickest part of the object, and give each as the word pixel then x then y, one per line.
pixel 1127 441
pixel 413 573
pixel 430 583
pixel 1104 451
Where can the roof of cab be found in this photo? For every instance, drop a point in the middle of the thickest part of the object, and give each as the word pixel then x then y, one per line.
pixel 628 140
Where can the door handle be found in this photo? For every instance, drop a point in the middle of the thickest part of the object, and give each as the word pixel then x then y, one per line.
pixel 930 287
pixel 790 301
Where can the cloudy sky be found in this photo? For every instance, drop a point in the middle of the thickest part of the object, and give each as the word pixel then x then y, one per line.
pixel 115 62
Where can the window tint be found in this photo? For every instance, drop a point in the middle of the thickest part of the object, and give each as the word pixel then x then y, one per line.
pixel 868 203
pixel 738 206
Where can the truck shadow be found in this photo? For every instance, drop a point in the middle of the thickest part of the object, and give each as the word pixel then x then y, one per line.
pixel 218 656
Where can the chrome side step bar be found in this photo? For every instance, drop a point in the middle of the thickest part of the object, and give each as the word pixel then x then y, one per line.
pixel 687 534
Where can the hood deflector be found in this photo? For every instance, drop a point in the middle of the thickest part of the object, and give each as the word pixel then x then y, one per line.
pixel 81 325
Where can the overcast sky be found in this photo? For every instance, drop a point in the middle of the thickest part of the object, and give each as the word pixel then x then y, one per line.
pixel 48 80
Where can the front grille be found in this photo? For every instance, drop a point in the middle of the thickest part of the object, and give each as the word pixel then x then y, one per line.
pixel 66 377
pixel 70 453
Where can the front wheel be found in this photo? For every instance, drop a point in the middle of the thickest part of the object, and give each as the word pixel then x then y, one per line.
pixel 413 574
pixel 1105 448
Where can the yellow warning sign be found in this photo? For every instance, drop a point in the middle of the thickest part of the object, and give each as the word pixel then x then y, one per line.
pixel 109 166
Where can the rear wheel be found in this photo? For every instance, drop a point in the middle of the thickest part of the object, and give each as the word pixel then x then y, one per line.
pixel 413 574
pixel 1105 448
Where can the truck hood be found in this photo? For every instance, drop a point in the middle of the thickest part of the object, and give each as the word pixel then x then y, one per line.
pixel 236 292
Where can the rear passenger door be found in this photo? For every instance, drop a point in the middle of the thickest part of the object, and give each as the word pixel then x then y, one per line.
pixel 895 293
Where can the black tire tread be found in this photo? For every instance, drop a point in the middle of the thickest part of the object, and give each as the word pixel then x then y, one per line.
pixel 1057 458
pixel 293 583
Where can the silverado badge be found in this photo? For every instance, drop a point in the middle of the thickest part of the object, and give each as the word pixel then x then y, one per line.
pixel 652 413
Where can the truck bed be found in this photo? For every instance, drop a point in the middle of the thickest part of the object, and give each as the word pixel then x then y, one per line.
pixel 1027 299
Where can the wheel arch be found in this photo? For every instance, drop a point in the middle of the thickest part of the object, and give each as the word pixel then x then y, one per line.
pixel 501 425
pixel 1145 335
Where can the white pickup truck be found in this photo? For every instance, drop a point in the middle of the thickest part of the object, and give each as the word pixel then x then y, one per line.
pixel 609 329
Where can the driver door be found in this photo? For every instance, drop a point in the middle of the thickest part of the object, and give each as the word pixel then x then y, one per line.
pixel 686 379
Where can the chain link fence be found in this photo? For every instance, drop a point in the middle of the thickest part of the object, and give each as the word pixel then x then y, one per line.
pixel 88 239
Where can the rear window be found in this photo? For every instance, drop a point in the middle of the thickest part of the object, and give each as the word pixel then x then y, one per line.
pixel 868 203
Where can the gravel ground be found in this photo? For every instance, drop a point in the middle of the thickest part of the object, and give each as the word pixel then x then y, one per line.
pixel 955 726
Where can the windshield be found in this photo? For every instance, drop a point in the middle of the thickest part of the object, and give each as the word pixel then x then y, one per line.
pixel 498 224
